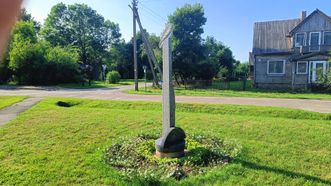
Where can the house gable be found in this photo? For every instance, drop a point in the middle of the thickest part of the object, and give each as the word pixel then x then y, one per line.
pixel 316 21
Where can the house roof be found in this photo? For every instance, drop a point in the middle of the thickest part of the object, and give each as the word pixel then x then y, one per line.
pixel 317 11
pixel 271 36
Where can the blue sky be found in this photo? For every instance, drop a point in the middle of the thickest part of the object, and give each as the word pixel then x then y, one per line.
pixel 229 21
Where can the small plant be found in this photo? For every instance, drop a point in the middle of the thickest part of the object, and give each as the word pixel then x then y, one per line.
pixel 135 158
pixel 113 77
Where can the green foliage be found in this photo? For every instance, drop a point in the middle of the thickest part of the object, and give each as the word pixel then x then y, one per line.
pixel 65 60
pixel 224 73
pixel 35 62
pixel 24 31
pixel 113 77
pixel 5 72
pixel 135 158
pixel 194 58
pixel 25 16
pixel 219 57
pixel 81 26
pixel 324 85
pixel 27 60
pixel 241 70
pixel 188 24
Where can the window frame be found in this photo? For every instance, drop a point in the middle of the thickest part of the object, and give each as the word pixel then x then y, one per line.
pixel 304 39
pixel 324 36
pixel 275 60
pixel 298 67
pixel 319 41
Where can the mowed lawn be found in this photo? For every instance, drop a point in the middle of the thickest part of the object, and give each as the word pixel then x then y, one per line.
pixel 6 101
pixel 51 145
pixel 253 93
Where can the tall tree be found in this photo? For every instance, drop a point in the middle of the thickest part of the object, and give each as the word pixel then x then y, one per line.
pixel 81 26
pixel 218 55
pixel 25 16
pixel 188 23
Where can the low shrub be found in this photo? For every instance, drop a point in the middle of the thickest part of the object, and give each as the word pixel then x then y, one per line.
pixel 113 77
pixel 135 158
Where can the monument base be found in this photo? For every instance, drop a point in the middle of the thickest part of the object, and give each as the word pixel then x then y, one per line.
pixel 171 144
pixel 169 154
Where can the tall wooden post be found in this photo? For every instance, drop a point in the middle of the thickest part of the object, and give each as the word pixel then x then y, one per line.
pixel 135 63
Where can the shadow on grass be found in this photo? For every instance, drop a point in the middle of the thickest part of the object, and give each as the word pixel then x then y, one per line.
pixel 284 172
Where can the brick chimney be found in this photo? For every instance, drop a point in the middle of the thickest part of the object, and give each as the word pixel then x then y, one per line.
pixel 303 15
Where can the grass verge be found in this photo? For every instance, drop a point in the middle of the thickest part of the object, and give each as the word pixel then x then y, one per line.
pixel 6 101
pixel 234 93
pixel 51 145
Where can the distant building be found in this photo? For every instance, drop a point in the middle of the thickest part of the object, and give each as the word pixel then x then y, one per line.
pixel 291 53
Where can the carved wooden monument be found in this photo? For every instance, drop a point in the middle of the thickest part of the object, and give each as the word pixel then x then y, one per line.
pixel 172 142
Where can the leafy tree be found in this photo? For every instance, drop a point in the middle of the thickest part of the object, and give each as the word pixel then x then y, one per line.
pixel 188 24
pixel 23 29
pixel 34 61
pixel 66 67
pixel 81 26
pixel 26 60
pixel 25 16
pixel 242 70
pixel 218 57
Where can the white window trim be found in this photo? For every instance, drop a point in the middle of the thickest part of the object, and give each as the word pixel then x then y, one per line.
pixel 298 67
pixel 324 36
pixel 304 39
pixel 282 73
pixel 319 40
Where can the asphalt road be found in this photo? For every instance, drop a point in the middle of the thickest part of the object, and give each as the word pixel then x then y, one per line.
pixel 116 93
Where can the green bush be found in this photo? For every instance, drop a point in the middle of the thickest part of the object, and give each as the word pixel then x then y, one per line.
pixel 66 66
pixel 34 61
pixel 113 77
pixel 39 64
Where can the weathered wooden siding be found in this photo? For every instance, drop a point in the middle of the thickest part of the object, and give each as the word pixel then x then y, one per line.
pixel 271 37
pixel 315 23
pixel 261 70
pixel 265 80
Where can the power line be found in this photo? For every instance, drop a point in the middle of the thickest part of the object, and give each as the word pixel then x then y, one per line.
pixel 153 12
pixel 152 17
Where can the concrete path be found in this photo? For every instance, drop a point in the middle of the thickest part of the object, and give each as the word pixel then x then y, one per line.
pixel 12 111
pixel 116 93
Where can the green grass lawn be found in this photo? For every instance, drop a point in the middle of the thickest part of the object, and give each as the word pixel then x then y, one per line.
pixel 6 101
pixel 234 93
pixel 98 84
pixel 51 145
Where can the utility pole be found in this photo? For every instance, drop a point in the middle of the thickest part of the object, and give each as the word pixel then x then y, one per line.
pixel 135 63
pixel 150 54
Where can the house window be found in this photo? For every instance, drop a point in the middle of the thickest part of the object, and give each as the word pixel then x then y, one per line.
pixel 276 67
pixel 327 38
pixel 299 39
pixel 302 67
pixel 315 41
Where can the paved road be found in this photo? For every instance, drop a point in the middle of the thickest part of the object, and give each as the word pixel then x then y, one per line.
pixel 117 94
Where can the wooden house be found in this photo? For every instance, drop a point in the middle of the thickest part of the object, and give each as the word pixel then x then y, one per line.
pixel 291 53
